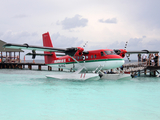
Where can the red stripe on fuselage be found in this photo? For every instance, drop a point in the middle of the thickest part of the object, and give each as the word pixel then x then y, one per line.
pixel 92 55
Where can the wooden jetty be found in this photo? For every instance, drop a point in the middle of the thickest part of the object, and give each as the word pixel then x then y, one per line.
pixel 22 65
pixel 9 54
pixel 10 58
pixel 141 67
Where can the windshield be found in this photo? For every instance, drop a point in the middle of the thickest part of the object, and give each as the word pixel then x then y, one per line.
pixel 109 52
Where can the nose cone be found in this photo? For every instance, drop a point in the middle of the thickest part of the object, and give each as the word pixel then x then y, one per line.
pixel 114 61
pixel 119 61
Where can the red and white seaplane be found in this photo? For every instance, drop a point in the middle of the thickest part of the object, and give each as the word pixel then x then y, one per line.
pixel 75 59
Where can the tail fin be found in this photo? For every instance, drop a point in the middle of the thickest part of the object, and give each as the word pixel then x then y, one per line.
pixel 48 43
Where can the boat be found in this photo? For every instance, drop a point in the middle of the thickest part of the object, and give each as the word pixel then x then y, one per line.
pixel 116 76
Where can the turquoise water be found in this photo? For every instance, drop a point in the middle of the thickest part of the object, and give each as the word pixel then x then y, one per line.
pixel 29 95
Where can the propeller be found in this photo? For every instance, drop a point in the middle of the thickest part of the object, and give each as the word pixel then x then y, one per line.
pixel 85 44
pixel 84 52
pixel 33 54
pixel 126 45
pixel 128 55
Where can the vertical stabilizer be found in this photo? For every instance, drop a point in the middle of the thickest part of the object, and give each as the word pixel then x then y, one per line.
pixel 48 43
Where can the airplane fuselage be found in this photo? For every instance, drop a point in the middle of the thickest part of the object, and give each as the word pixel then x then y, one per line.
pixel 103 59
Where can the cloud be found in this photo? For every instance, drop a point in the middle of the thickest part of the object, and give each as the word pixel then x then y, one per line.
pixel 113 20
pixel 153 44
pixel 20 16
pixel 134 44
pixel 20 37
pixel 76 21
pixel 62 41
pixel 143 14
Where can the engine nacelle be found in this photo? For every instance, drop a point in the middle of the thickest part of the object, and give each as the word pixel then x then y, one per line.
pixel 120 52
pixel 79 51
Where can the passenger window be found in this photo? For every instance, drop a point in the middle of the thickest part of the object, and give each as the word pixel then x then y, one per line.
pixel 91 56
pixel 95 56
pixel 69 59
pixel 86 57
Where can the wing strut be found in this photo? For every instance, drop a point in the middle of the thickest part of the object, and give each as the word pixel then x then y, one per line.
pixel 81 66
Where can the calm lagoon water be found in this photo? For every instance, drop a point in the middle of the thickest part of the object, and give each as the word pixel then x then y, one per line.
pixel 29 95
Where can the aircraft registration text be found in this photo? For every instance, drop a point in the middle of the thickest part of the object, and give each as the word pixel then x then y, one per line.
pixel 60 61
pixel 63 65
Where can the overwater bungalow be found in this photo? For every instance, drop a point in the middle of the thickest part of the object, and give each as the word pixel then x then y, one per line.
pixel 9 55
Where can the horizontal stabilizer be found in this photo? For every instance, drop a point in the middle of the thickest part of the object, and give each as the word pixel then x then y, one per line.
pixel 39 54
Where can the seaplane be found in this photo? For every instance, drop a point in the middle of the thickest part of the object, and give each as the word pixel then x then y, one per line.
pixel 85 64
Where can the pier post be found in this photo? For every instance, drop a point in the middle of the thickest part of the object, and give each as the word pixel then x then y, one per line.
pixel 39 67
pixel 145 71
pixel 150 73
pixel 154 73
pixel 9 66
pixel 49 68
pixel 1 57
pixel 30 67
pixel 13 66
pixel 19 57
pixel 14 56
pixel 20 66
pixel 158 61
pixel 139 73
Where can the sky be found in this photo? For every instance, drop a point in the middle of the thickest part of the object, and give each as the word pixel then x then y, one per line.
pixel 99 23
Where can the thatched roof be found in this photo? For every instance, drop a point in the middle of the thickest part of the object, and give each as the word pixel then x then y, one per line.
pixel 8 49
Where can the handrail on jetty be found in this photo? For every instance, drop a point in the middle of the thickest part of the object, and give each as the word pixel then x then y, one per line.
pixel 136 66
pixel 144 67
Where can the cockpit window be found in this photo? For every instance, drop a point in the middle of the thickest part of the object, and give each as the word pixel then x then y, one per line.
pixel 109 52
pixel 102 54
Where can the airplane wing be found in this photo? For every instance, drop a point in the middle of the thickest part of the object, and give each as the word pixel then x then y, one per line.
pixel 141 52
pixel 68 51
pixel 29 47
